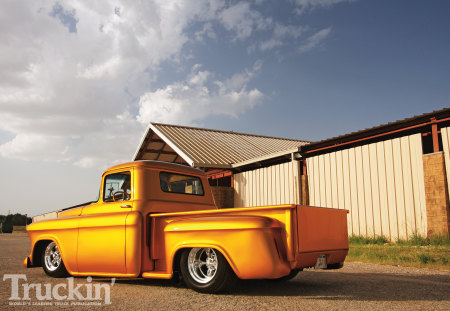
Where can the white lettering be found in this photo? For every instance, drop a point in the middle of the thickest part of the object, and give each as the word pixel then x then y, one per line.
pixel 98 288
pixel 89 289
pixel 48 292
pixel 74 290
pixel 26 290
pixel 55 292
pixel 70 291
pixel 14 284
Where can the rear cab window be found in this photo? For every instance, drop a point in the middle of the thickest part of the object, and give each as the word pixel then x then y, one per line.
pixel 183 184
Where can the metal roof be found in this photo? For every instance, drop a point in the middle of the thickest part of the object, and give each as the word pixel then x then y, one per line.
pixel 287 152
pixel 415 122
pixel 201 147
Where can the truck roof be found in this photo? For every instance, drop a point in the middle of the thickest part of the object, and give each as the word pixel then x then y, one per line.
pixel 159 165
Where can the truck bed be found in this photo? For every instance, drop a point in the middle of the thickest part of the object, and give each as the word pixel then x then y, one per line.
pixel 300 235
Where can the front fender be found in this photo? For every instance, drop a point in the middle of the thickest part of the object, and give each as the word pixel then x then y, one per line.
pixel 61 231
pixel 252 245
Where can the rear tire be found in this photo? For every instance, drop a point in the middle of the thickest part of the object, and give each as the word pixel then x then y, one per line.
pixel 52 262
pixel 205 270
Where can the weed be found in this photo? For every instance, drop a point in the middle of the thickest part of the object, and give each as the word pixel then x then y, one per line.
pixel 424 258
pixel 440 240
pixel 361 240
pixel 435 257
pixel 405 258
pixel 379 256
pixel 356 252
pixel 414 240
pixel 381 240
pixel 418 240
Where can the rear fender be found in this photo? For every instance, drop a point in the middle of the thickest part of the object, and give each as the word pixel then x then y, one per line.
pixel 249 243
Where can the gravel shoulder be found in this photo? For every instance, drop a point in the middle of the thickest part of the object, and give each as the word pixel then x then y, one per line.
pixel 357 286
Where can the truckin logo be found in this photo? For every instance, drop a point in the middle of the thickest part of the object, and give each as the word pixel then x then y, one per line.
pixel 58 294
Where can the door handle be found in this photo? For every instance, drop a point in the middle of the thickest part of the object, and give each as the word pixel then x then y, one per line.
pixel 126 206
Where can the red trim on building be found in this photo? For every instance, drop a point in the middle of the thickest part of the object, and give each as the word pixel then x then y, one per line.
pixel 215 174
pixel 434 131
pixel 434 134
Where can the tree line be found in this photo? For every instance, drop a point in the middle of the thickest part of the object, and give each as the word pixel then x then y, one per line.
pixel 8 221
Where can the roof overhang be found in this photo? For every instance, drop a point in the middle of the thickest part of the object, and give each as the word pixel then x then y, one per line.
pixel 146 137
pixel 268 157
pixel 211 149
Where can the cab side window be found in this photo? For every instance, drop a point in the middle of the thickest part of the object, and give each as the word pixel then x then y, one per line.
pixel 117 187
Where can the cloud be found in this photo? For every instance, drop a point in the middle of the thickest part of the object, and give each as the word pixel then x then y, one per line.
pixel 79 81
pixel 189 101
pixel 70 70
pixel 314 40
pixel 241 19
pixel 206 31
pixel 282 35
pixel 303 5
pixel 45 147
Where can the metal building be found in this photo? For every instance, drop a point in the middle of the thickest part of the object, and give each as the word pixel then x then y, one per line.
pixel 392 178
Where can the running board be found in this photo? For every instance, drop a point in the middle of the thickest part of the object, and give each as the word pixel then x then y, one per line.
pixel 156 275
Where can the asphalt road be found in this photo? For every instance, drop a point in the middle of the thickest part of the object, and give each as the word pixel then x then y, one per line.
pixel 355 287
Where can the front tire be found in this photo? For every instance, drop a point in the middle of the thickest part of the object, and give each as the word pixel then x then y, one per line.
pixel 205 270
pixel 52 262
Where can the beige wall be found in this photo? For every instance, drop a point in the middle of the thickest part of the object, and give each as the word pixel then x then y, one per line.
pixel 445 133
pixel 277 184
pixel 381 184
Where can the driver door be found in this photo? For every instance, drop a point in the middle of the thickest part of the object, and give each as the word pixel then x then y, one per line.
pixel 101 236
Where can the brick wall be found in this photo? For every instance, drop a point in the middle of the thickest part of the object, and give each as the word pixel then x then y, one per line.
pixel 223 196
pixel 438 215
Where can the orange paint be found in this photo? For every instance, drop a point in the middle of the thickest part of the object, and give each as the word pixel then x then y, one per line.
pixel 140 236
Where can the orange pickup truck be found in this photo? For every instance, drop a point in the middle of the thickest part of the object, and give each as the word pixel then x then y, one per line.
pixel 158 220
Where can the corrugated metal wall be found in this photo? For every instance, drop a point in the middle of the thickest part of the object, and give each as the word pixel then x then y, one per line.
pixel 381 184
pixel 445 133
pixel 277 184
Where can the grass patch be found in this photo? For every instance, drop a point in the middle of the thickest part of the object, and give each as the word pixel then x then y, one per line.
pixel 425 258
pixel 360 240
pixel 420 252
pixel 421 241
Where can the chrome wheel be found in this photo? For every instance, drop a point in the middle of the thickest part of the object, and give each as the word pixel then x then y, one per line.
pixel 206 270
pixel 202 264
pixel 52 257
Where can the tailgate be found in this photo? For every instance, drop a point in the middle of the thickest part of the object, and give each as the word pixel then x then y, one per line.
pixel 321 229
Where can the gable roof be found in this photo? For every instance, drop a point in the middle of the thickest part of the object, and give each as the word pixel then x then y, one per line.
pixel 199 147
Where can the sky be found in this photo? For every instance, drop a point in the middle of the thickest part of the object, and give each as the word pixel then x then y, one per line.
pixel 81 80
